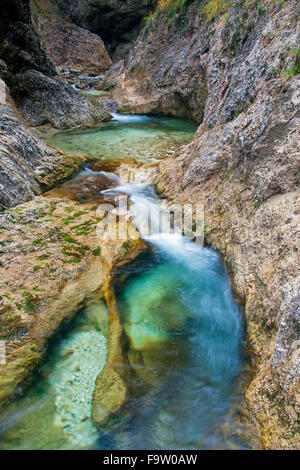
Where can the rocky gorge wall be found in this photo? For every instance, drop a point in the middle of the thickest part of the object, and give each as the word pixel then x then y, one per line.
pixel 41 96
pixel 234 68
pixel 67 44
pixel 27 164
pixel 32 94
pixel 118 22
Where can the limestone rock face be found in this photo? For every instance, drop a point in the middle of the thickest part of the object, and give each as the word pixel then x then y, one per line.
pixel 237 75
pixel 19 45
pixel 69 45
pixel 27 165
pixel 162 75
pixel 114 20
pixel 49 100
pixel 31 77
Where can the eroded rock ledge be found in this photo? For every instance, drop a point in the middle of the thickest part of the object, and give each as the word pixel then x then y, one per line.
pixel 27 164
pixel 52 262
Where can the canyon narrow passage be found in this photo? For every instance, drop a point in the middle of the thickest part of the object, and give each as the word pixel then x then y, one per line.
pixel 183 331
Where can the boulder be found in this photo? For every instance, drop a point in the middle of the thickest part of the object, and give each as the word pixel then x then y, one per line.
pixel 69 45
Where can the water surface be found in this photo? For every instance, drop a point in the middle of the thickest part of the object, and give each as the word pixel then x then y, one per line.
pixel 185 337
pixel 139 137
pixel 184 330
pixel 56 412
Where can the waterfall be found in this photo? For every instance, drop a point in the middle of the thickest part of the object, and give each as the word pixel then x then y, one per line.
pixel 130 118
pixel 154 222
pixel 183 301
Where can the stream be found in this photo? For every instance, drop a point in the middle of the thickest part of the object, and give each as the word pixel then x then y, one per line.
pixel 143 139
pixel 183 328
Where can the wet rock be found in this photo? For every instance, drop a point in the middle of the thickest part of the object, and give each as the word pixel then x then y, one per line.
pixel 108 399
pixel 27 164
pixel 85 187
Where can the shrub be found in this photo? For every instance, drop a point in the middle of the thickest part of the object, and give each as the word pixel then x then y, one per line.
pixel 215 7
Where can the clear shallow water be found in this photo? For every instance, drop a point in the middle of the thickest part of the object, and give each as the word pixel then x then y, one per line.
pixel 138 137
pixel 184 333
pixel 55 413
pixel 185 337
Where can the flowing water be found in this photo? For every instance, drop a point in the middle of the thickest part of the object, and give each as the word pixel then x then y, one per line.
pixel 184 333
pixel 185 336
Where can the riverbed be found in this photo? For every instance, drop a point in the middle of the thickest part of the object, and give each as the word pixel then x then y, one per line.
pixel 183 329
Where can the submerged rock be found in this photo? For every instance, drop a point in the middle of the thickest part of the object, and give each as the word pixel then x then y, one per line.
pixel 153 316
pixel 85 187
pixel 72 383
pixel 111 390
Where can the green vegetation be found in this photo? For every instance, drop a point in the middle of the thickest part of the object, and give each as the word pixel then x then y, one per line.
pixel 67 238
pixel 83 229
pixel 70 218
pixel 261 11
pixel 214 8
pixel 69 209
pixel 49 267
pixel 66 172
pixel 11 325
pixel 208 10
pixel 292 71
pixel 174 9
pixel 29 302
pixel 97 251
pixel 42 11
pixel 74 254
pixel 37 242
pixel 125 247
pixel 43 257
pixel 171 5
